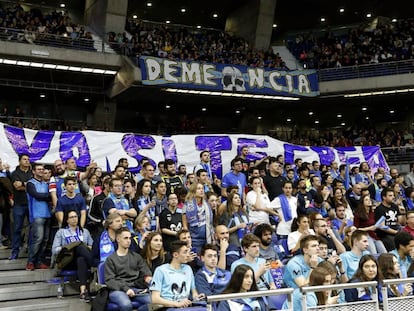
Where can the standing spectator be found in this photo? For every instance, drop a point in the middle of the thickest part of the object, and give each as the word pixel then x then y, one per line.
pixel 116 202
pixel 170 221
pixel 390 226
pixel 39 216
pixel 204 164
pixel 197 216
pixel 286 207
pixel 235 177
pixel 171 179
pixel 19 177
pixel 258 203
pixel 274 180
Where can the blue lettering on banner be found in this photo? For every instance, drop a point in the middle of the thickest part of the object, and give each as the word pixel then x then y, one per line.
pixel 45 146
pixel 133 143
pixel 290 152
pixel 168 147
pixel 39 146
pixel 326 154
pixel 214 144
pixel 74 140
pixel 252 143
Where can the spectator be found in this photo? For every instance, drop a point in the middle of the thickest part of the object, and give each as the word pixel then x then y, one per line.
pixel 153 251
pixel 74 234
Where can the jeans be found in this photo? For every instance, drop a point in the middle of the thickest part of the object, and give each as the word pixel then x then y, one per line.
pixel 376 246
pixel 124 302
pixel 39 231
pixel 19 213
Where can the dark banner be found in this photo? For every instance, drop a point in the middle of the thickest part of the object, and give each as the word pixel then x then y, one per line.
pixel 232 78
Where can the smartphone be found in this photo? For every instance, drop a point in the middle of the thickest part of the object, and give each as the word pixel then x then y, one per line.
pixel 335 292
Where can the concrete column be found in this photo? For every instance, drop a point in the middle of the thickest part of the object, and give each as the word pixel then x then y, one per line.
pixel 106 15
pixel 253 21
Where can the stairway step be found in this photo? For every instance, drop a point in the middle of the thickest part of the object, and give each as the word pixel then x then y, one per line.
pixel 64 304
pixel 23 276
pixel 17 264
pixel 5 253
pixel 34 290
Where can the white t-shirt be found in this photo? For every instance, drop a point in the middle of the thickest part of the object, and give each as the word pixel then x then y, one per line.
pixel 283 228
pixel 258 217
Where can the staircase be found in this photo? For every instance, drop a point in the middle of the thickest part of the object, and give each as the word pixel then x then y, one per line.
pixel 290 60
pixel 22 290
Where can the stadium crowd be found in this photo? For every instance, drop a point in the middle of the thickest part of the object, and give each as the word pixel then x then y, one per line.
pixel 175 237
pixel 183 43
pixel 387 41
pixel 34 26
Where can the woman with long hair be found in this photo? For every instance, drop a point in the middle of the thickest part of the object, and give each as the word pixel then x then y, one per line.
pixel 258 203
pixel 390 269
pixel 146 205
pixel 365 220
pixel 235 218
pixel 197 216
pixel 318 276
pixel 338 199
pixel 153 251
pixel 242 281
pixel 367 271
pixel 74 234
pixel 300 229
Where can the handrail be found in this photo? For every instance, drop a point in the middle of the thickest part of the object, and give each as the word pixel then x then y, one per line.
pixel 271 292
pixel 397 281
pixel 306 289
pixel 259 293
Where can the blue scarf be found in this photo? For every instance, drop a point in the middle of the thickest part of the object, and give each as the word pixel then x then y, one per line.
pixel 284 203
pixel 122 203
pixel 410 204
pixel 106 247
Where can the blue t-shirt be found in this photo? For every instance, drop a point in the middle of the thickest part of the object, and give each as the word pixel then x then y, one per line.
pixel 231 179
pixel 296 267
pixel 350 262
pixel 76 203
pixel 267 276
pixel 173 285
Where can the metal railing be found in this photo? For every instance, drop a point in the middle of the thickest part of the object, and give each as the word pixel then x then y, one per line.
pixel 367 305
pixel 398 155
pixel 401 303
pixel 70 41
pixel 273 292
pixel 366 71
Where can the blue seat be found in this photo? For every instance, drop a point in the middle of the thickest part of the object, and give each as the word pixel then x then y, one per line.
pixel 110 306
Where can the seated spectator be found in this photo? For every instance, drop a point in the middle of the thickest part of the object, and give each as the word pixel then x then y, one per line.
pixel 351 258
pixel 142 229
pixel 390 269
pixel 321 228
pixel 267 249
pixel 299 267
pixel 365 220
pixel 404 244
pixel 74 234
pixel 300 229
pixel 235 218
pixel 242 280
pixel 211 280
pixel 318 276
pixel 367 271
pixel 126 275
pixel 228 253
pixel 173 283
pixel 153 251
